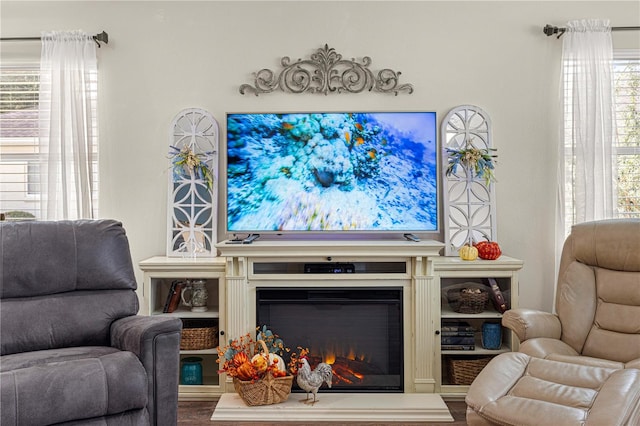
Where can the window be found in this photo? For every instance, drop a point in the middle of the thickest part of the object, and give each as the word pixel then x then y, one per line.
pixel 626 79
pixel 19 152
pixel 20 161
pixel 33 178
pixel 627 119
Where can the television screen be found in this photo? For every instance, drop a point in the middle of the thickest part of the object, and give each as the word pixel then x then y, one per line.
pixel 306 172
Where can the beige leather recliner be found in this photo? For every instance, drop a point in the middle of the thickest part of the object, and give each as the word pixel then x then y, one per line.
pixel 597 300
pixel 594 335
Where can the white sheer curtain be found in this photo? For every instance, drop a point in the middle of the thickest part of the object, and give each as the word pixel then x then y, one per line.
pixel 587 56
pixel 586 183
pixel 68 80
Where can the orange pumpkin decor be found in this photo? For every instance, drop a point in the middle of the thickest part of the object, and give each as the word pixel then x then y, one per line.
pixel 488 250
pixel 247 371
pixel 239 359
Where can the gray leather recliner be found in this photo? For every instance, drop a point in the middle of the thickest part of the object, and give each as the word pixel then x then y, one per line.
pixel 73 350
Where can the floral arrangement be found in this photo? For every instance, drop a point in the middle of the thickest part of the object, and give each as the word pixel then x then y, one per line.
pixel 186 162
pixel 250 360
pixel 295 358
pixel 475 160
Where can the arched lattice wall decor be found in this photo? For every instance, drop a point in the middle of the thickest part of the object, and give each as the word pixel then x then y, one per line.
pixel 193 185
pixel 469 200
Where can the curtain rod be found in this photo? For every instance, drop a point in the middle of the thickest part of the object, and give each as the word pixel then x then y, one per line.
pixel 102 37
pixel 550 30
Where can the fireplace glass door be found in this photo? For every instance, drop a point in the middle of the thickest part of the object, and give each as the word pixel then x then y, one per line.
pixel 358 331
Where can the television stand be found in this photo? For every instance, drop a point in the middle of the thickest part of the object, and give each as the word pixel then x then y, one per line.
pixel 411 237
pixel 365 264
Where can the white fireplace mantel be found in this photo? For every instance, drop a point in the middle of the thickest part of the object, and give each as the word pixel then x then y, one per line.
pixel 421 298
pixel 359 248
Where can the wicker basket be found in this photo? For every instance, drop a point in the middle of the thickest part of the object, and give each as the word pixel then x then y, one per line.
pixel 266 391
pixel 198 338
pixel 462 371
pixel 467 303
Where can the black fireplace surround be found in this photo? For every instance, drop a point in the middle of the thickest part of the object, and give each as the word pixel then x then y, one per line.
pixel 359 331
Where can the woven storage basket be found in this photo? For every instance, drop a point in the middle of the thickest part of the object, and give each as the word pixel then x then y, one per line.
pixel 197 338
pixel 266 391
pixel 467 303
pixel 463 371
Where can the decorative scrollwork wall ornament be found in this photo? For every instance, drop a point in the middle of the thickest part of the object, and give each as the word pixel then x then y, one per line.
pixel 326 72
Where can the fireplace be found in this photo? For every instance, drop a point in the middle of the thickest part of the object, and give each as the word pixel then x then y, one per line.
pixel 359 331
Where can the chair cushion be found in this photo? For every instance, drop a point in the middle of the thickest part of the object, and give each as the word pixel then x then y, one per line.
pixel 129 418
pixel 68 280
pixel 515 388
pixel 62 385
pixel 75 318
pixel 49 257
pixel 598 292
pixel 615 333
pixel 610 244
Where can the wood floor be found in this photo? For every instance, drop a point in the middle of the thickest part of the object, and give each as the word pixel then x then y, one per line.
pixel 199 414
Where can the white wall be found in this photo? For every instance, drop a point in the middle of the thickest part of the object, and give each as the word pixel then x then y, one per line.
pixel 166 56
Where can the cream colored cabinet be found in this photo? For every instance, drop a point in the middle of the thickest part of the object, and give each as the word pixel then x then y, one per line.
pixel 426 276
pixel 458 361
pixel 159 274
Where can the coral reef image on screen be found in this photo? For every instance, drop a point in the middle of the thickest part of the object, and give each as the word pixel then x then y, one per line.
pixel 332 172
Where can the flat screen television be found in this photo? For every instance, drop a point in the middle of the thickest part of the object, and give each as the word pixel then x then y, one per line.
pixel 332 172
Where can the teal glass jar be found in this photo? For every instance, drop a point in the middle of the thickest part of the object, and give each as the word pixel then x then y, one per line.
pixel 191 371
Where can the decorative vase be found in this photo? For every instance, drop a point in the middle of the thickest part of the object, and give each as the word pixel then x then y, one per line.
pixel 191 371
pixel 195 296
pixel 491 335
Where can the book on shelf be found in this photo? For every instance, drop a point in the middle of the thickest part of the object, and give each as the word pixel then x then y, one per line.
pixel 457 333
pixel 457 340
pixel 457 326
pixel 165 309
pixel 458 347
pixel 173 298
pixel 497 297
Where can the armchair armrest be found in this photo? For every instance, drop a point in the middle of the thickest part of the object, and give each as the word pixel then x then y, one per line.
pixel 529 323
pixel 156 342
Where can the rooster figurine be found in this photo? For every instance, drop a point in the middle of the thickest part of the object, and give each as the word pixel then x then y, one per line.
pixel 310 381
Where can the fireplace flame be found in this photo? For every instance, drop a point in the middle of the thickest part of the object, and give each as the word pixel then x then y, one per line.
pixel 330 354
pixel 330 358
pixel 348 365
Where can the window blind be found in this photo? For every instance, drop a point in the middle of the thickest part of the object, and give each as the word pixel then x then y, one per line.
pixel 19 152
pixel 627 119
pixel 626 80
pixel 19 146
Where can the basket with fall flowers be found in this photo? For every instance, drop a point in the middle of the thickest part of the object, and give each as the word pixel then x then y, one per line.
pixel 259 373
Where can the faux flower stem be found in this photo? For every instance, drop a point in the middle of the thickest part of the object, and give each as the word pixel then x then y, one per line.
pixel 185 160
pixel 475 160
